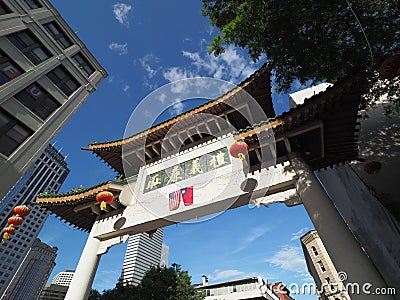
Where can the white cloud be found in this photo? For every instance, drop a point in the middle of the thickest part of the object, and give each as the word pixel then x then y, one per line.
pixel 289 258
pixel 49 238
pixel 208 64
pixel 225 274
pixel 254 234
pixel 121 11
pixel 148 114
pixel 151 85
pixel 210 30
pixel 298 234
pixel 121 49
pixel 126 88
pixel 109 272
pixel 162 98
pixel 111 79
pixel 107 279
pixel 177 106
pixel 230 65
pixel 175 75
pixel 147 62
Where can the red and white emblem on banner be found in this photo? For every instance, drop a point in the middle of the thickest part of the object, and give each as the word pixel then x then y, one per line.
pixel 185 194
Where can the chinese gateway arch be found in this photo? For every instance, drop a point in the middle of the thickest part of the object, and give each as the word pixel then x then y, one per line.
pixel 283 153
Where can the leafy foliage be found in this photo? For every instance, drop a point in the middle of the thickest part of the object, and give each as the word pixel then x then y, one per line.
pixel 121 291
pixel 157 284
pixel 78 189
pixel 120 179
pixel 184 290
pixel 309 40
pixel 47 194
pixel 94 295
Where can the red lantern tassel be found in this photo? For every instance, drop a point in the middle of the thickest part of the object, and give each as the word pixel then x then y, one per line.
pixel 103 205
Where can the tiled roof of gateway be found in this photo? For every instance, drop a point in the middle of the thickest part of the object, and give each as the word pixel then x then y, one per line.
pixel 79 207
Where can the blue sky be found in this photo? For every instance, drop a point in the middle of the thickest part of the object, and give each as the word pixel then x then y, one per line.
pixel 144 45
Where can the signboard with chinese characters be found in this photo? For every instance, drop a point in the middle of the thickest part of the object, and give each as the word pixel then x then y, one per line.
pixel 187 180
pixel 187 169
pixel 194 183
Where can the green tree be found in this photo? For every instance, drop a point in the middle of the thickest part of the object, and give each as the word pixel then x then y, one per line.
pixel 158 284
pixel 309 40
pixel 94 295
pixel 184 290
pixel 121 291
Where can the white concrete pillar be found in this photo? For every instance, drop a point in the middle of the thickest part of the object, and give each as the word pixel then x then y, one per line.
pixel 82 281
pixel 344 250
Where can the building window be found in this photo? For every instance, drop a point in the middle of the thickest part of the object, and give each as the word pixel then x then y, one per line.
pixel 83 64
pixel 4 9
pixel 29 46
pixel 37 101
pixel 321 265
pixel 314 250
pixel 64 80
pixel 31 4
pixel 56 32
pixel 12 133
pixel 8 69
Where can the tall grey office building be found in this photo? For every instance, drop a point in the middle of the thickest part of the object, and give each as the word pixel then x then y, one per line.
pixel 141 253
pixel 33 273
pixel 47 174
pixel 46 73
pixel 58 287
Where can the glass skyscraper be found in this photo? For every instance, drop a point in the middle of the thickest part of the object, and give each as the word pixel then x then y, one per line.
pixel 33 272
pixel 47 174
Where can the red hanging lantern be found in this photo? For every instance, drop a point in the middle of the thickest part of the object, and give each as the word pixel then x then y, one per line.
pixel 15 221
pixel 390 68
pixel 104 198
pixel 21 210
pixel 239 150
pixel 372 167
pixel 6 233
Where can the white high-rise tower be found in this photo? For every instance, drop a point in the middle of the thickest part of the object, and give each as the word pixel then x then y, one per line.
pixel 141 253
pixel 63 278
